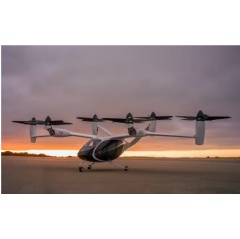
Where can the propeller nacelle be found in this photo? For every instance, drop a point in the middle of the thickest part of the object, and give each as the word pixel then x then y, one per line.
pixel 54 132
pixel 136 132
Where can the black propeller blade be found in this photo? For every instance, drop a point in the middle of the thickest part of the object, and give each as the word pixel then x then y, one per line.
pixel 153 116
pixel 129 119
pixel 33 121
pixel 118 120
pixel 93 119
pixel 48 121
pixel 203 117
pixel 122 120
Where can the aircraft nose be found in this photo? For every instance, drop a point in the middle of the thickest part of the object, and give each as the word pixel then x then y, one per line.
pixel 81 154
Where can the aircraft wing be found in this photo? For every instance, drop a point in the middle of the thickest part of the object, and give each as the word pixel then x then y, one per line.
pixel 91 136
pixel 70 134
pixel 123 136
pixel 169 135
pixel 56 132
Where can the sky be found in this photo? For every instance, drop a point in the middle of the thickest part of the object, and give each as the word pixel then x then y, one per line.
pixel 69 81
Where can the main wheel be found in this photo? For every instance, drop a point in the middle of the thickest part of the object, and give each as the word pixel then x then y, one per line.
pixel 126 168
pixel 81 169
pixel 89 167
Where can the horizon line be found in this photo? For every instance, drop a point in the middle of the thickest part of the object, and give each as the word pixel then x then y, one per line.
pixel 166 153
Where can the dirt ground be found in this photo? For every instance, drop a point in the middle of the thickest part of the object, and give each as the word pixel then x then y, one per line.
pixel 150 175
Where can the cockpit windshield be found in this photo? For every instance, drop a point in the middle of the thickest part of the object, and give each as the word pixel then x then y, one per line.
pixel 91 144
pixel 86 151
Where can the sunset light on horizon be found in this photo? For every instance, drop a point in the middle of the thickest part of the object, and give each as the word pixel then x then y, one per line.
pixel 228 153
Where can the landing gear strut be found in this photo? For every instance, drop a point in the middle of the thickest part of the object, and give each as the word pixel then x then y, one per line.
pixel 81 168
pixel 119 166
pixel 90 166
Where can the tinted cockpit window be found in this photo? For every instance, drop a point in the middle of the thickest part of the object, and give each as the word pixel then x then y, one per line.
pixel 109 149
pixel 92 143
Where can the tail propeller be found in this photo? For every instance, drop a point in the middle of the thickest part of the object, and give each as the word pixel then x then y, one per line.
pixel 203 117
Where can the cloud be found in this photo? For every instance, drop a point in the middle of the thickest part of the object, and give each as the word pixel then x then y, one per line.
pixel 69 81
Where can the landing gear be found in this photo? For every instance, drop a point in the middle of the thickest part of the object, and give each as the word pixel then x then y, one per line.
pixel 90 166
pixel 120 166
pixel 81 169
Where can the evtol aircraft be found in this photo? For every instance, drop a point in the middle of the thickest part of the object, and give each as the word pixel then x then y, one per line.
pixel 108 148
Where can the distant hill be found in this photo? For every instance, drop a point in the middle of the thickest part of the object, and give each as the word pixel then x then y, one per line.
pixel 25 154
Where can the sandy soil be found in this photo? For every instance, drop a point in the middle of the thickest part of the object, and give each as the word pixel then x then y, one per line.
pixel 61 175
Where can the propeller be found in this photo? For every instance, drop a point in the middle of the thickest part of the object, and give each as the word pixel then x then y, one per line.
pixel 153 116
pixel 129 119
pixel 203 117
pixel 47 121
pixel 93 119
pixel 33 121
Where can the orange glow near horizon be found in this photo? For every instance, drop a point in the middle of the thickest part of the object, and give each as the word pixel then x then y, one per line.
pixel 170 154
pixel 147 145
pixel 145 148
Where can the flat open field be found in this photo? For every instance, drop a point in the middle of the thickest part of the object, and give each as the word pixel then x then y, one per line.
pixel 61 175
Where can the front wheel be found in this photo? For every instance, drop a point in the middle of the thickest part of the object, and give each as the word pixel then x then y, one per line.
pixel 81 169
